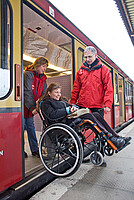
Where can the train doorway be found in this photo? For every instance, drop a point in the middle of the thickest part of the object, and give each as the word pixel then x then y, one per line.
pixel 42 38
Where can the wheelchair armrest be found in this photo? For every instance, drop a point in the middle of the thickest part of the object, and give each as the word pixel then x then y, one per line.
pixel 75 122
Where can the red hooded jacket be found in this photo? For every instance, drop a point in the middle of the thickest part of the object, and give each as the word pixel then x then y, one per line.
pixel 93 86
pixel 34 87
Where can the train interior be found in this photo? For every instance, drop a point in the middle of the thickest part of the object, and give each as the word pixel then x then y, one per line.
pixel 41 38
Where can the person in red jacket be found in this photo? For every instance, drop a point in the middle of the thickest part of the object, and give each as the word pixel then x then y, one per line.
pixel 93 84
pixel 34 87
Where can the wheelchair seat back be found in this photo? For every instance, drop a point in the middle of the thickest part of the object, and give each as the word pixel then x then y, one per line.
pixel 44 119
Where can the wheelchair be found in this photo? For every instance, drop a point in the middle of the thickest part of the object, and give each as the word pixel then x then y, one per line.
pixel 62 147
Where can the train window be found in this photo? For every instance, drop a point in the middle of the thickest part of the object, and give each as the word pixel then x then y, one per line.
pixel 128 96
pixel 116 89
pixel 126 92
pixel 5 48
pixel 129 93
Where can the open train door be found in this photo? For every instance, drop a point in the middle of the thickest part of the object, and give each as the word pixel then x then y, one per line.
pixel 11 148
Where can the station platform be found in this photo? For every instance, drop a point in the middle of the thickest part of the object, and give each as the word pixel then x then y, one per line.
pixel 114 182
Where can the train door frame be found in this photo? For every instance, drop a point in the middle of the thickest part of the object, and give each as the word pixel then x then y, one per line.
pixel 109 116
pixel 128 100
pixel 53 22
pixel 78 48
pixel 121 99
pixel 78 55
pixel 10 104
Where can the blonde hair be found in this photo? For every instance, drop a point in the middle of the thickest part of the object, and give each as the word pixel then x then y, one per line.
pixel 37 63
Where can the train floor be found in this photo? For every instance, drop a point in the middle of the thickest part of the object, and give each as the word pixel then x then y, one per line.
pixel 114 182
pixel 32 163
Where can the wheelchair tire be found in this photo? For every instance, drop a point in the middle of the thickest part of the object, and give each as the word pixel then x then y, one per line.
pixel 98 141
pixel 60 149
pixel 96 158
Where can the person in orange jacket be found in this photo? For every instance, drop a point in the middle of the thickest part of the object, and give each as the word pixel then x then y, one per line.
pixel 93 84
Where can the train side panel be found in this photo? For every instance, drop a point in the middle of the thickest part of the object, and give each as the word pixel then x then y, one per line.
pixel 11 170
pixel 10 149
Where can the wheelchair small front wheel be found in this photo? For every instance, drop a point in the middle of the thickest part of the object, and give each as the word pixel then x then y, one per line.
pixel 108 150
pixel 96 158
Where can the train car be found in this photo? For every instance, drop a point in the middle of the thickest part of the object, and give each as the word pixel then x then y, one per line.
pixel 29 29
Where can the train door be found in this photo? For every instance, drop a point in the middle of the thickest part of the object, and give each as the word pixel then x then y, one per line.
pixel 128 100
pixel 11 165
pixel 43 37
pixel 109 115
pixel 118 99
pixel 79 55
pixel 79 59
pixel 121 99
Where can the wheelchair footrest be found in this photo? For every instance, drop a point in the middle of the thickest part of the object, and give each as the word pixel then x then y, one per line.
pixel 122 147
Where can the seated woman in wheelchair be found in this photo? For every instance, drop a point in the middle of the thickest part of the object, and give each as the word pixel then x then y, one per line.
pixel 57 109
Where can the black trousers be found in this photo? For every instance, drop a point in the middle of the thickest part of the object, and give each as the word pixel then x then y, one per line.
pixel 98 119
pixel 99 110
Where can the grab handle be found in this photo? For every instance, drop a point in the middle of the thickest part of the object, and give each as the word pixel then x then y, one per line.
pixel 17 82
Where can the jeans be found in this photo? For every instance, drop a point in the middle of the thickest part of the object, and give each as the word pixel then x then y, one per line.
pixel 29 124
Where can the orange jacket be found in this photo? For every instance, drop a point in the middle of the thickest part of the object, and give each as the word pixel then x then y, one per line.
pixel 93 86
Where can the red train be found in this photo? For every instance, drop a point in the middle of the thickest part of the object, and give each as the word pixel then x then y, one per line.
pixel 29 29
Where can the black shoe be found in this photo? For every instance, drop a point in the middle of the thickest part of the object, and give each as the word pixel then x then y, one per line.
pixel 25 155
pixel 36 154
pixel 118 142
pixel 104 164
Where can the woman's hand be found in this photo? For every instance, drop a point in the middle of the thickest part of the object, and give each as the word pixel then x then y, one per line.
pixel 73 109
pixel 34 112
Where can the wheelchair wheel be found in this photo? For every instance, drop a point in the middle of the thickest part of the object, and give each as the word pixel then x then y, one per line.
pixel 96 158
pixel 108 150
pixel 98 141
pixel 91 139
pixel 60 150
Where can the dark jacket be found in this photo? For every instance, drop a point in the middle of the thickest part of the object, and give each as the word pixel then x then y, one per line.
pixel 54 110
pixel 93 86
pixel 34 87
